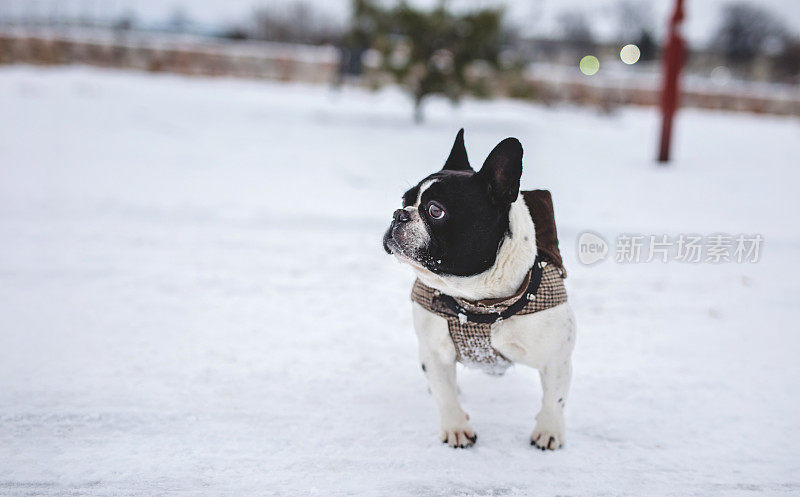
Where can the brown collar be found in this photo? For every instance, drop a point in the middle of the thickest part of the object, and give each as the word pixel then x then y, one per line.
pixel 517 301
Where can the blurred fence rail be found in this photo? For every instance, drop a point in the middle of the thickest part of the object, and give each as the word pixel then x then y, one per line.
pixel 181 54
pixel 202 56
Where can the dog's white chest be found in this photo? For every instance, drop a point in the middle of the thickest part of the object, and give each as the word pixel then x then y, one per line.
pixel 474 336
pixel 534 339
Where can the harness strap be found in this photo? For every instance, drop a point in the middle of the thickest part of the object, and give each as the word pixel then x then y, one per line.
pixel 474 317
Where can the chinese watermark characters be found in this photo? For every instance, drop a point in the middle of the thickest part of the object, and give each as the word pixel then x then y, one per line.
pixel 631 248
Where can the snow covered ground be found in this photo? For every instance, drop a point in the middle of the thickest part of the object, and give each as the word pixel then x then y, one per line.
pixel 194 299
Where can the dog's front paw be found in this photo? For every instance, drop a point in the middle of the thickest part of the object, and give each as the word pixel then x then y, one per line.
pixel 549 431
pixel 458 433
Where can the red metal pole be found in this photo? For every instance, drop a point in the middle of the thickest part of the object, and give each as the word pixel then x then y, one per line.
pixel 673 62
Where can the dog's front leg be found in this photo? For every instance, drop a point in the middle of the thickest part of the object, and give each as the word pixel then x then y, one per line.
pixel 550 427
pixel 438 356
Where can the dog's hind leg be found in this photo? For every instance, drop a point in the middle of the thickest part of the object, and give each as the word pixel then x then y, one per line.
pixel 438 356
pixel 550 427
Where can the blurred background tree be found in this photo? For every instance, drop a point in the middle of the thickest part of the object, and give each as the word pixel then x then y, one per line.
pixel 294 22
pixel 745 32
pixel 576 32
pixel 786 65
pixel 635 25
pixel 433 51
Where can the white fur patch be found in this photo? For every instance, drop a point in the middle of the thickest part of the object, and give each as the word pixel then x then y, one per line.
pixel 422 189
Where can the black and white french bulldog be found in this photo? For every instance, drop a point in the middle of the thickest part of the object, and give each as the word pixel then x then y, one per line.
pixel 469 235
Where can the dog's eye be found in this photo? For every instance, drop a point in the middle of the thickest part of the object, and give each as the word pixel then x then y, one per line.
pixel 435 211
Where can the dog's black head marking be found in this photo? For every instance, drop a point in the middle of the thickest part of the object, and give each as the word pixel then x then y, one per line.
pixel 465 213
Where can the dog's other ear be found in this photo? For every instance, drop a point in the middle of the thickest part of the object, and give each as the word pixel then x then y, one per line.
pixel 502 171
pixel 458 161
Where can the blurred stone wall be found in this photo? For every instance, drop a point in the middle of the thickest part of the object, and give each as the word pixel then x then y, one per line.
pixel 258 60
pixel 180 55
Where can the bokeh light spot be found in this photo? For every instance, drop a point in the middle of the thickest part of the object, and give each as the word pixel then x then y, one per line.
pixel 721 75
pixel 630 54
pixel 589 65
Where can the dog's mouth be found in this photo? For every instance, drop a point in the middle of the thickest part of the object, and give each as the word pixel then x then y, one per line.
pixel 389 243
pixel 391 247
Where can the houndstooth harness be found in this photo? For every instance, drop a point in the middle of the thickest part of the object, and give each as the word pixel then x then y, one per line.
pixel 470 323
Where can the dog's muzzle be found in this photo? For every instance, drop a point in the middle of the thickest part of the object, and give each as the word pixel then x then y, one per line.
pixel 399 217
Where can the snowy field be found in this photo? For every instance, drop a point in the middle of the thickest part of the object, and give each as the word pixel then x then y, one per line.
pixel 194 299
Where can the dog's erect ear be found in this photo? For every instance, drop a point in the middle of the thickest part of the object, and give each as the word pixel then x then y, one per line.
pixel 458 161
pixel 502 171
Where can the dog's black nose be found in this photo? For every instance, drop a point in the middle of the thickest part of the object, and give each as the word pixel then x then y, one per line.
pixel 401 216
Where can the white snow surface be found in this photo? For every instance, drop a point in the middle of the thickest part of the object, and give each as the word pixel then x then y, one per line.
pixel 194 299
